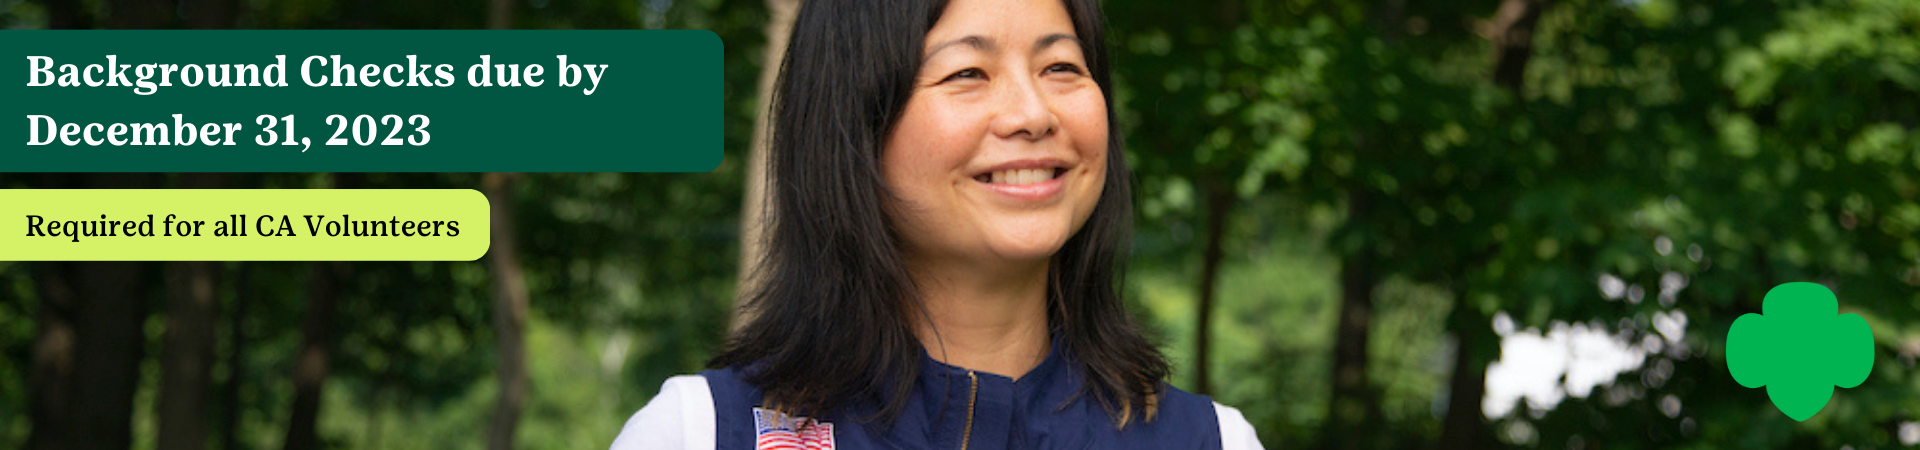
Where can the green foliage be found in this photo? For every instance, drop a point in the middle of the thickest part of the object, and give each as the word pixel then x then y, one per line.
pixel 1696 151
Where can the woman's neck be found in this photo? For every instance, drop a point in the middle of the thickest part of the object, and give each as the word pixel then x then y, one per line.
pixel 993 321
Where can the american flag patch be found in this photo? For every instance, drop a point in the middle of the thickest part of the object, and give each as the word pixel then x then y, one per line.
pixel 776 431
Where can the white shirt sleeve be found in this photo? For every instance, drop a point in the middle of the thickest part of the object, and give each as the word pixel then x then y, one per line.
pixel 1235 432
pixel 679 418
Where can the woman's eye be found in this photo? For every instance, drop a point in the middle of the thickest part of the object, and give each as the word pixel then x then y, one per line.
pixel 1065 68
pixel 965 74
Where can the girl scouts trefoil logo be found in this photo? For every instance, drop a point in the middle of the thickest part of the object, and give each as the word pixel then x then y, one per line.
pixel 1800 347
pixel 776 431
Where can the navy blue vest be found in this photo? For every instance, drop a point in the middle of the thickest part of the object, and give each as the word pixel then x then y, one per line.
pixel 1033 412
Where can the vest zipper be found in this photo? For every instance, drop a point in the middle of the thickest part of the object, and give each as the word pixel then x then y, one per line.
pixel 973 393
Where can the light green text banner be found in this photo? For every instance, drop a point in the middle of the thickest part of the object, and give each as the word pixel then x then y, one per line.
pixel 243 225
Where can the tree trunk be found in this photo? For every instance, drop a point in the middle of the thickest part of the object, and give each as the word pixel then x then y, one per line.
pixel 210 14
pixel 500 14
pixel 314 360
pixel 1353 406
pixel 1511 33
pixel 1475 347
pixel 186 355
pixel 236 357
pixel 139 14
pixel 509 313
pixel 110 313
pixel 753 211
pixel 111 342
pixel 186 358
pixel 51 379
pixel 1218 202
pixel 67 15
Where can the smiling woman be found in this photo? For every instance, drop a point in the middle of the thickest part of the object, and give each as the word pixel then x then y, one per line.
pixel 949 218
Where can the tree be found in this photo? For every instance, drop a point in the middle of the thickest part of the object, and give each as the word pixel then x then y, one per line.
pixel 317 340
pixel 509 313
pixel 187 352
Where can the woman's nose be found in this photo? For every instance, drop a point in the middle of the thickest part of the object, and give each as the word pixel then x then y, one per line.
pixel 1024 111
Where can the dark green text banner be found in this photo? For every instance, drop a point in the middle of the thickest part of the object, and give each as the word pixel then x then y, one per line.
pixel 360 101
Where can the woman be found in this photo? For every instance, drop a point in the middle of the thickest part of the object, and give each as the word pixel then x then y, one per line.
pixel 950 209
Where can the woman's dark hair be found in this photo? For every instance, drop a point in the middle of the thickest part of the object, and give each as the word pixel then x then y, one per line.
pixel 831 309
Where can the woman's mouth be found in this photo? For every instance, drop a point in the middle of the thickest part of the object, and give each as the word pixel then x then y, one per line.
pixel 1028 181
pixel 1020 177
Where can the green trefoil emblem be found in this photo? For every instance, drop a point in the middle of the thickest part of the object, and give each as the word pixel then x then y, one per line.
pixel 1800 347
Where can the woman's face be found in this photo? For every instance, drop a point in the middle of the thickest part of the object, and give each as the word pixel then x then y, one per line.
pixel 1001 153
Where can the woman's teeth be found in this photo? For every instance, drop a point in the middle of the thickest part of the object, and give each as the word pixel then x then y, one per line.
pixel 1022 176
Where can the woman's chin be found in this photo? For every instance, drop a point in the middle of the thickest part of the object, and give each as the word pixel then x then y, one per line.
pixel 1028 249
pixel 1029 237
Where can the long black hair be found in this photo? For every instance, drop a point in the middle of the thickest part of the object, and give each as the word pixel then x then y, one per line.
pixel 831 311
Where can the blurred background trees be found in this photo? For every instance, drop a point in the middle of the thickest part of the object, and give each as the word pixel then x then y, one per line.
pixel 1374 224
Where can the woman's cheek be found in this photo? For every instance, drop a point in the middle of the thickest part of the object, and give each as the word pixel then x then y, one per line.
pixel 1088 122
pixel 1089 138
pixel 922 140
pixel 1094 115
pixel 923 158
